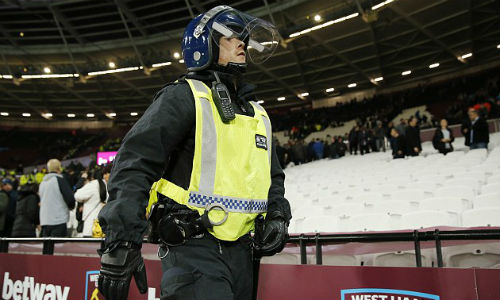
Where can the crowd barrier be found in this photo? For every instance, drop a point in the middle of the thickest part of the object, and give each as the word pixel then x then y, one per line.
pixel 67 277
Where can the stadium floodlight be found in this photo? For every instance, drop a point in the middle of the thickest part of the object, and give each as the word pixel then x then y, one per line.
pixel 113 71
pixel 260 101
pixel 47 70
pixel 408 72
pixel 90 115
pixel 71 115
pixel 352 85
pixel 331 22
pixel 168 63
pixel 467 55
pixel 304 94
pixel 384 3
pixel 181 61
pixel 47 115
pixel 434 65
pixel 112 65
pixel 281 98
pixel 177 55
pixel 133 114
pixel 4 114
pixel 43 76
pixel 26 115
pixel 111 115
pixel 378 79
pixel 6 76
pixel 329 90
pixel 317 18
pixel 498 46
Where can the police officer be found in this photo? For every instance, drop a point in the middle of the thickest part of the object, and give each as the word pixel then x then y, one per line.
pixel 203 151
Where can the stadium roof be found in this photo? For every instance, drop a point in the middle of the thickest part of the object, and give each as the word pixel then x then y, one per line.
pixel 366 42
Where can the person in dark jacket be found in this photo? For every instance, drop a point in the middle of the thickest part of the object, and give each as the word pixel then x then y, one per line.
pixel 412 136
pixel 398 144
pixel 364 140
pixel 353 140
pixel 443 138
pixel 27 211
pixel 476 131
pixel 8 186
pixel 4 204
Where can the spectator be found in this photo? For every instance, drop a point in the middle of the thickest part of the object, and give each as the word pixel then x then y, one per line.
pixel 4 204
pixel 380 136
pixel 27 211
pixel 56 200
pixel 318 148
pixel 443 138
pixel 363 141
pixel 401 127
pixel 93 194
pixel 342 148
pixel 353 140
pixel 298 151
pixel 398 144
pixel 476 131
pixel 413 144
pixel 8 188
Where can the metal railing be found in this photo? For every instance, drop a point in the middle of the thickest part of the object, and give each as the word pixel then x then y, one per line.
pixel 318 240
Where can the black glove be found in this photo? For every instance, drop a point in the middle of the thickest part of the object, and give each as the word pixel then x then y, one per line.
pixel 118 264
pixel 271 234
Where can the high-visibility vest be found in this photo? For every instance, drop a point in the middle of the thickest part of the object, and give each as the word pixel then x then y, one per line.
pixel 39 177
pixel 25 178
pixel 231 167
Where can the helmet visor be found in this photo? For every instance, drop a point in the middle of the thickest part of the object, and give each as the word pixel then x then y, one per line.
pixel 261 38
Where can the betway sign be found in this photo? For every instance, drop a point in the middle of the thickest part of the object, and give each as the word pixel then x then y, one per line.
pixel 31 290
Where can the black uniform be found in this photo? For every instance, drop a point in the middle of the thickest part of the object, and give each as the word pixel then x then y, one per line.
pixel 161 144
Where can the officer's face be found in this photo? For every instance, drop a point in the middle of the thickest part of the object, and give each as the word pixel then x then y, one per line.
pixel 231 50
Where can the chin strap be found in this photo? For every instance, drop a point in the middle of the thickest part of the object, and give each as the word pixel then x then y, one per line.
pixel 236 69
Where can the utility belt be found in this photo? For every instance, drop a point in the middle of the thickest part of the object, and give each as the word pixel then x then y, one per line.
pixel 172 224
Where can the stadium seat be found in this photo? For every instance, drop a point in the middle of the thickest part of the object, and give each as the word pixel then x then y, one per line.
pixel 424 219
pixel 399 259
pixel 484 216
pixel 409 195
pixel 487 200
pixel 364 222
pixel 336 260
pixel 282 259
pixel 493 179
pixel 390 207
pixel 367 198
pixel 484 255
pixel 490 188
pixel 462 192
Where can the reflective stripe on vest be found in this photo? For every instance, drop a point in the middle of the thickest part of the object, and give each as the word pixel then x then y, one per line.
pixel 230 167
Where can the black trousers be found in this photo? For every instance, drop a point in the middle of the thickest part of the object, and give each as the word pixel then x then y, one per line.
pixel 206 268
pixel 59 230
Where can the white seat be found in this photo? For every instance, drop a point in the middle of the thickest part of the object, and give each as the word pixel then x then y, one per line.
pixel 364 222
pixel 347 209
pixel 390 207
pixel 399 259
pixel 487 200
pixel 336 260
pixel 453 204
pixel 367 198
pixel 469 182
pixel 490 188
pixel 426 218
pixel 484 216
pixel 425 186
pixel 282 259
pixel 409 195
pixel 493 179
pixel 484 255
pixel 462 192
pixel 324 224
